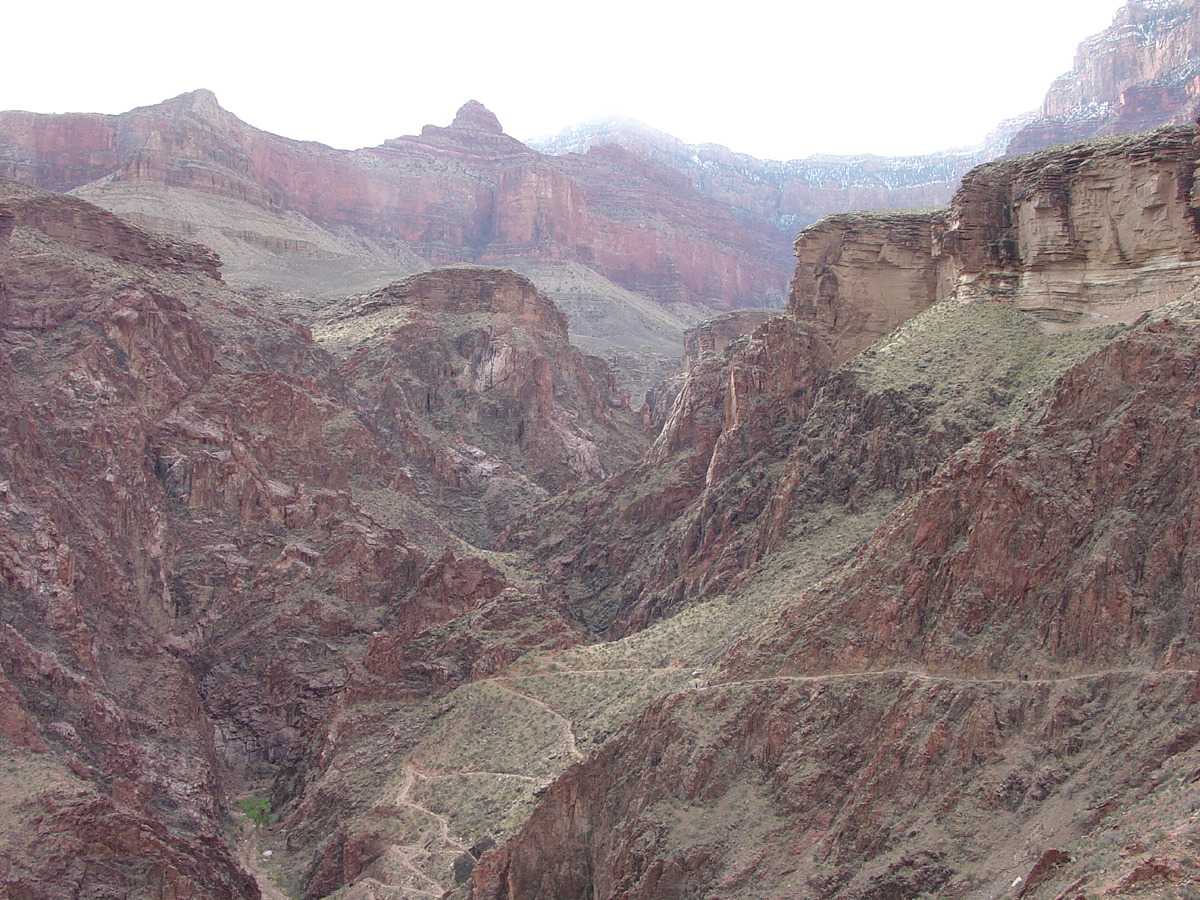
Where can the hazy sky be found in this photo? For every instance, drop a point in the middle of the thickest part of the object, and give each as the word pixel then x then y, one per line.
pixel 778 80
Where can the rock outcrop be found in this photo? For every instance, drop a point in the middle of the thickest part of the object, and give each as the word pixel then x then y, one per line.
pixel 1079 235
pixel 468 374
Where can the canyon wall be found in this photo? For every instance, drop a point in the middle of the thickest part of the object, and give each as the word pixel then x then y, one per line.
pixel 1141 72
pixel 765 425
pixel 1079 235
pixel 463 193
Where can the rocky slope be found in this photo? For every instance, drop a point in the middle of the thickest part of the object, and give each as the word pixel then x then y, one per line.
pixel 210 535
pixel 898 586
pixel 954 708
pixel 1085 235
pixel 995 696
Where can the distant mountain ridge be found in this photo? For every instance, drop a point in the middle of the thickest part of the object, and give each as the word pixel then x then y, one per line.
pixel 635 234
pixel 1141 72
pixel 792 193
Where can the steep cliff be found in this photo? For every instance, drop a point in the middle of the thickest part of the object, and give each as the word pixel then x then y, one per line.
pixel 1078 235
pixel 1141 72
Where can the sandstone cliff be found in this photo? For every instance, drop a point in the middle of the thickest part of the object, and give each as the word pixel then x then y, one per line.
pixel 1079 235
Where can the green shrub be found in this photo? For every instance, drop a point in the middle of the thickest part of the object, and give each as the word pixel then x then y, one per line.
pixel 256 809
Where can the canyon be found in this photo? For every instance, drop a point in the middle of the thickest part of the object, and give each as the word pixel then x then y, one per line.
pixel 636 235
pixel 331 567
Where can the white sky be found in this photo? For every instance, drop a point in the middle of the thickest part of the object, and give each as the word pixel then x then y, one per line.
pixel 777 80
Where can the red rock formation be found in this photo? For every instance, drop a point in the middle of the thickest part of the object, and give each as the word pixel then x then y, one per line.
pixel 479 391
pixel 127 790
pixel 1022 553
pixel 955 641
pixel 505 202
pixel 890 730
pixel 1140 73
pixel 200 537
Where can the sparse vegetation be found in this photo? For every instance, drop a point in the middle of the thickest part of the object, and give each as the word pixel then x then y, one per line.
pixel 256 809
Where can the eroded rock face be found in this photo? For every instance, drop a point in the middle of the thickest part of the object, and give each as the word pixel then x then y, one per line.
pixel 1138 74
pixel 1080 235
pixel 471 378
pixel 860 276
pixel 1027 536
pixel 208 553
pixel 493 199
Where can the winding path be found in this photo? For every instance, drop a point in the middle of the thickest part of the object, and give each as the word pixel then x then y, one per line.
pixel 410 775
pixel 925 676
pixel 568 729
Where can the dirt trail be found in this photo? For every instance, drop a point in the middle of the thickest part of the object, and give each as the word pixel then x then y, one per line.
pixel 925 676
pixel 250 857
pixel 410 775
pixel 568 729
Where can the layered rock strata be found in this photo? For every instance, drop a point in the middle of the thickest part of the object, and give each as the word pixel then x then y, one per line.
pixel 463 193
pixel 1141 72
pixel 1081 235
